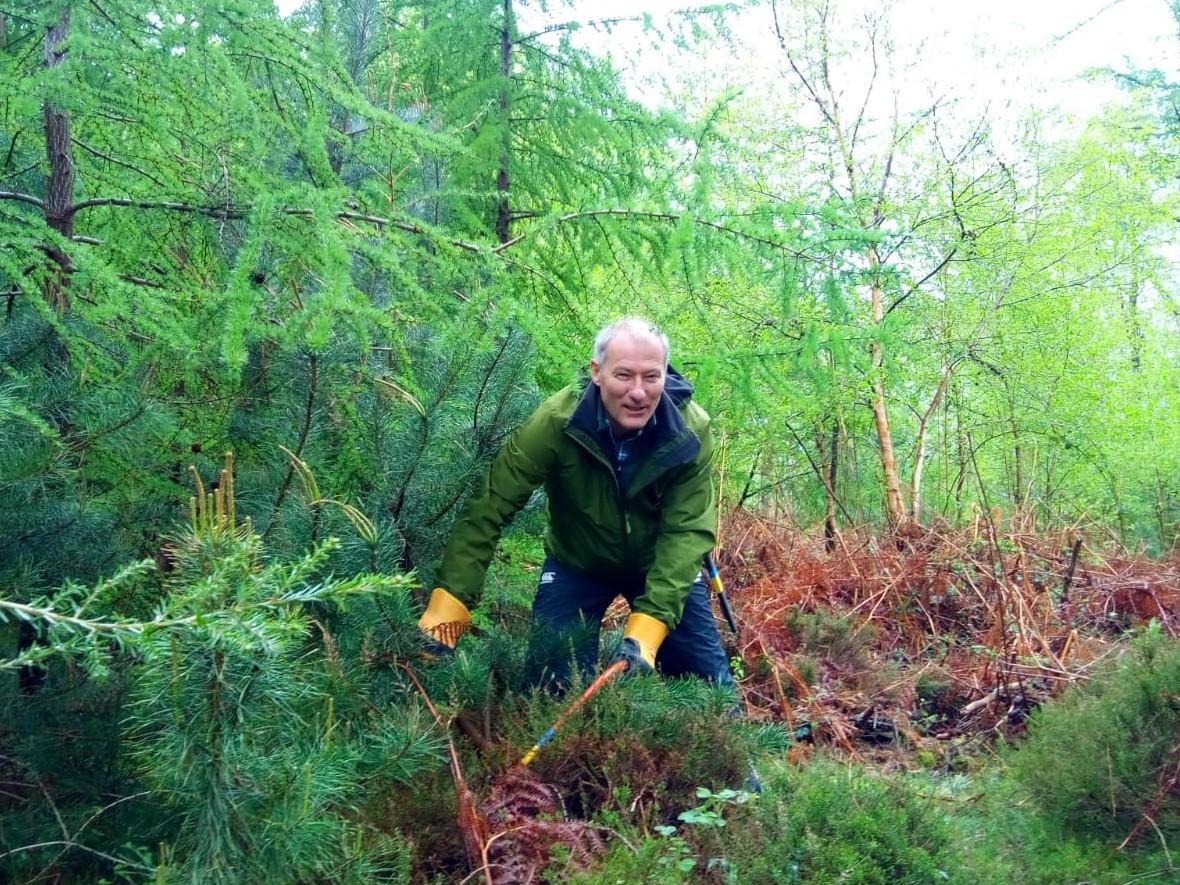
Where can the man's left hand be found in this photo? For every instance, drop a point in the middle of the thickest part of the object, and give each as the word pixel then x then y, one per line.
pixel 630 653
pixel 641 640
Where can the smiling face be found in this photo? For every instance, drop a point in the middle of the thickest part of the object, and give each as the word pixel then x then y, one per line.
pixel 630 379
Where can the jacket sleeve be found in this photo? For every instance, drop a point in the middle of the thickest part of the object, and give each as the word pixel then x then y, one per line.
pixel 518 469
pixel 688 530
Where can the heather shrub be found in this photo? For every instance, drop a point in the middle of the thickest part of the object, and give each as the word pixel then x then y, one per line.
pixel 642 745
pixel 830 822
pixel 824 823
pixel 1004 838
pixel 1107 752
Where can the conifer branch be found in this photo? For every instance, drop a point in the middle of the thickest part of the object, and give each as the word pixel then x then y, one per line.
pixel 229 212
pixel 95 152
pixel 286 587
pixel 22 198
pixel 608 23
pixel 312 389
pixel 34 613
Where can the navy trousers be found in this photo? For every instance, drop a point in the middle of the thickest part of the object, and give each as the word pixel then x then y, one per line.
pixel 568 611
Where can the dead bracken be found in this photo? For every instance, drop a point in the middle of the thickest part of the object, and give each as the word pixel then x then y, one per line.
pixel 930 637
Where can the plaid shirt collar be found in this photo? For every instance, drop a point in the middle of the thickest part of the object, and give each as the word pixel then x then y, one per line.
pixel 622 447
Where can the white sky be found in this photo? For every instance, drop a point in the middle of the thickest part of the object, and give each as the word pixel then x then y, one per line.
pixel 1007 54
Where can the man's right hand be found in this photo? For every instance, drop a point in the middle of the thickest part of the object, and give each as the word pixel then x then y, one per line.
pixel 443 624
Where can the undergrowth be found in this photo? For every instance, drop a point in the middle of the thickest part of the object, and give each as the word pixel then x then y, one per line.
pixel 1089 796
pixel 268 730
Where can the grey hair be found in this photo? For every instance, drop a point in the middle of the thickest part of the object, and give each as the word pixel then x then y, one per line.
pixel 636 327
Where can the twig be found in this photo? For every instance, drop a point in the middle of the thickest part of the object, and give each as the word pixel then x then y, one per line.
pixel 68 845
pixel 1073 562
pixel 1153 807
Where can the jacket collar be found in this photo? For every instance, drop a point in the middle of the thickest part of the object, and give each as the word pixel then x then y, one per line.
pixel 666 436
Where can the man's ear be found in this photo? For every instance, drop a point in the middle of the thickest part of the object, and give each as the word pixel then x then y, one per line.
pixel 595 369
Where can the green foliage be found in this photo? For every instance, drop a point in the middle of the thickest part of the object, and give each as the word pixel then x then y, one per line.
pixel 1103 755
pixel 1003 837
pixel 365 235
pixel 228 695
pixel 825 823
pixel 231 728
pixel 831 822
pixel 641 748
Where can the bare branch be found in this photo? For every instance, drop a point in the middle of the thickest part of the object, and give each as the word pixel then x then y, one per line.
pixel 918 285
pixel 778 31
pixel 1073 30
pixel 20 172
pixel 67 844
pixel 873 24
pixel 22 198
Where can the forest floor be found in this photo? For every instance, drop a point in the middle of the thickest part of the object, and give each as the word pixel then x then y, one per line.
pixel 915 652
pixel 919 649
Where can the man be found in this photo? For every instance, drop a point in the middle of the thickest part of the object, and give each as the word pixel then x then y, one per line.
pixel 624 461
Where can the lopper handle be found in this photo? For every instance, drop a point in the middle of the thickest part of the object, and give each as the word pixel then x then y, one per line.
pixel 713 575
pixel 606 676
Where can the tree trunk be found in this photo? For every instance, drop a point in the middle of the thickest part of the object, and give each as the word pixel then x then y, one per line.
pixel 1136 322
pixel 920 448
pixel 961 457
pixel 503 211
pixel 894 504
pixel 59 201
pixel 59 197
pixel 833 471
pixel 1018 478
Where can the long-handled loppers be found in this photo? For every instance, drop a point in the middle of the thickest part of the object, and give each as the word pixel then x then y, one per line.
pixel 713 576
pixel 606 676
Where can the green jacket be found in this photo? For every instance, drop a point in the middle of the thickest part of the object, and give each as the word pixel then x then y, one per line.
pixel 656 516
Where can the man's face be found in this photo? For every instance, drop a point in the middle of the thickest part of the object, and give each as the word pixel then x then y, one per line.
pixel 631 380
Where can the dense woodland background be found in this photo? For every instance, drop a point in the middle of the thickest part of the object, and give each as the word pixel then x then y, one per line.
pixel 356 245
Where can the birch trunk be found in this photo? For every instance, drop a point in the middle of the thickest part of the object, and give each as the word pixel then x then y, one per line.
pixel 894 503
pixel 920 448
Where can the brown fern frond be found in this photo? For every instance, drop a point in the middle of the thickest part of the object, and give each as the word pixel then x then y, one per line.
pixel 517 796
pixel 522 848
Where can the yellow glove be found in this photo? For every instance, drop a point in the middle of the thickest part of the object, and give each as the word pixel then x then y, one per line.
pixel 642 638
pixel 444 622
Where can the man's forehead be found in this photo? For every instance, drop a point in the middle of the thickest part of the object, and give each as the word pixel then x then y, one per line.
pixel 630 347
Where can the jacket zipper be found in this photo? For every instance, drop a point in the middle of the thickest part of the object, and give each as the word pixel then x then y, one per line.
pixel 597 454
pixel 626 522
